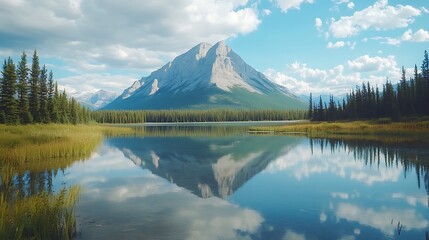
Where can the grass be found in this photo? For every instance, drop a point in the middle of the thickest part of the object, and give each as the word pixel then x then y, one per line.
pixel 365 130
pixel 40 216
pixel 43 147
pixel 36 149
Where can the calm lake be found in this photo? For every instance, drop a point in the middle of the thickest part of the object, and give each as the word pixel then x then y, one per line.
pixel 206 182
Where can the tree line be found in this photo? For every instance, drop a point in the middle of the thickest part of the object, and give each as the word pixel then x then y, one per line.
pixel 409 98
pixel 213 115
pixel 30 95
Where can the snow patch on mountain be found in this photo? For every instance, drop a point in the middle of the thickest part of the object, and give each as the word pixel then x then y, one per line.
pixel 129 91
pixel 155 87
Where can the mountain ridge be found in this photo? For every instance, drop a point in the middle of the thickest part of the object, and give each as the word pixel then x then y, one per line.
pixel 206 76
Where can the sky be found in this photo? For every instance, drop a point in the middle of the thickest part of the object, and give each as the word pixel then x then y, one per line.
pixel 318 46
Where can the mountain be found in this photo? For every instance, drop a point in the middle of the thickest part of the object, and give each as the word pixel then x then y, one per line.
pixel 95 100
pixel 204 77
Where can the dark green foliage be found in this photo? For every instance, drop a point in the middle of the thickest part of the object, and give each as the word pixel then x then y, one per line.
pixel 35 100
pixel 23 105
pixel 212 115
pixel 310 107
pixel 43 98
pixel 410 98
pixel 8 103
pixel 34 88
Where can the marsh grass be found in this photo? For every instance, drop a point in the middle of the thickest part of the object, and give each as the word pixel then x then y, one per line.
pixel 42 147
pixel 40 216
pixel 33 150
pixel 369 130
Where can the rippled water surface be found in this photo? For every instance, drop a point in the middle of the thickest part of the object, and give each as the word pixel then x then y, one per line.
pixel 223 183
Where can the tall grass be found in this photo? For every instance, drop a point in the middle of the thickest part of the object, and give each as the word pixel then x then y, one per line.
pixel 33 150
pixel 41 216
pixel 43 147
pixel 364 130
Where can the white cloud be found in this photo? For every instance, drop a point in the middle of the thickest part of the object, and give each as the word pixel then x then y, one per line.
pixel 285 5
pixel 318 23
pixel 387 40
pixel 349 3
pixel 91 82
pixel 366 63
pixel 302 79
pixel 379 16
pixel 338 44
pixel 131 35
pixel 419 36
pixel 266 12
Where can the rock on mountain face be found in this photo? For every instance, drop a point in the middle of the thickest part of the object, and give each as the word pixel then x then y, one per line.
pixel 95 100
pixel 206 77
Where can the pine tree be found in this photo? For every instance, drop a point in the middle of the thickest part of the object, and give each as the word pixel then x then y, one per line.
pixel 34 101
pixel 425 83
pixel 23 105
pixel 51 92
pixel 56 115
pixel 43 95
pixel 8 102
pixel 310 107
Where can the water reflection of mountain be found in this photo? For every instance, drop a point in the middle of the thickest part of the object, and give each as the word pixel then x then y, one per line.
pixel 207 166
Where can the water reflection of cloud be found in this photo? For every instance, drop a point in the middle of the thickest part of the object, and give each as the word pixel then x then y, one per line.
pixel 384 219
pixel 412 200
pixel 123 197
pixel 302 164
pixel 291 235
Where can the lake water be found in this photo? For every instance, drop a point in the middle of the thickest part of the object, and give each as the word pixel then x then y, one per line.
pixel 203 182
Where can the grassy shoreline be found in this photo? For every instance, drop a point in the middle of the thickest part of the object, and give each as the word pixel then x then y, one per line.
pixel 365 130
pixel 34 153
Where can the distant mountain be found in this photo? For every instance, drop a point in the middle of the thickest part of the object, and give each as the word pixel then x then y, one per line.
pixel 95 100
pixel 206 77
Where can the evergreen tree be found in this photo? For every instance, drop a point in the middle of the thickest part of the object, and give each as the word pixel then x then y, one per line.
pixel 425 84
pixel 23 105
pixel 51 91
pixel 8 102
pixel 310 107
pixel 34 101
pixel 44 116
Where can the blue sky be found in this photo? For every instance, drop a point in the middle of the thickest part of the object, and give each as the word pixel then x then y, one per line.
pixel 314 46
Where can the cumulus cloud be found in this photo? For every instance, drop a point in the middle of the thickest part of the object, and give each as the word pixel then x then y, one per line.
pixel 379 16
pixel 338 44
pixel 303 79
pixel 349 3
pixel 266 12
pixel 387 40
pixel 318 23
pixel 419 36
pixel 366 63
pixel 92 82
pixel 285 5
pixel 136 35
